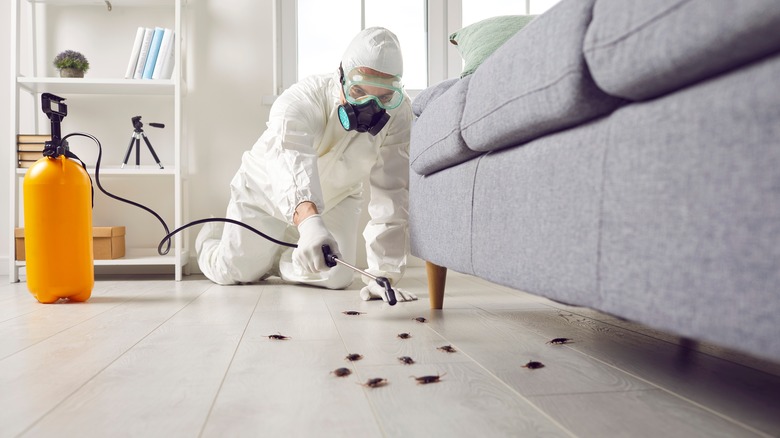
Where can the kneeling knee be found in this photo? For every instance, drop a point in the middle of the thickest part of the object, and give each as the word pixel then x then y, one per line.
pixel 339 277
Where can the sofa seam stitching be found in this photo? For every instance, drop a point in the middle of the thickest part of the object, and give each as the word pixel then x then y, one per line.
pixel 600 229
pixel 471 218
pixel 630 33
pixel 568 72
pixel 434 143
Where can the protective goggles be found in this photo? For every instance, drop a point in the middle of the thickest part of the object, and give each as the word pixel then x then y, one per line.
pixel 361 87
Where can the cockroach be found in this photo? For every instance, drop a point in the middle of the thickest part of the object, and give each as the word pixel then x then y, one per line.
pixel 375 382
pixel 447 348
pixel 424 380
pixel 342 372
pixel 532 365
pixel 406 360
pixel 278 336
pixel 420 319
pixel 558 341
pixel 404 335
pixel 352 312
pixel 353 357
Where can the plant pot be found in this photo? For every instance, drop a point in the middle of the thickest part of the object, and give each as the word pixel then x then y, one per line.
pixel 71 73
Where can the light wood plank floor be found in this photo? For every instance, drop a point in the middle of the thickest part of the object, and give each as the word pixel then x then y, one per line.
pixel 151 357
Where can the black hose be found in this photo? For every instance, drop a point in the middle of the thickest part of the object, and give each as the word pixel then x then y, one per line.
pixel 166 241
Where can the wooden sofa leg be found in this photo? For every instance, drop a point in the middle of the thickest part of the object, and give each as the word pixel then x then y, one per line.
pixel 437 276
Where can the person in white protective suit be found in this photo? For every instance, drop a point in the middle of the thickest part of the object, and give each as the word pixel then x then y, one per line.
pixel 303 179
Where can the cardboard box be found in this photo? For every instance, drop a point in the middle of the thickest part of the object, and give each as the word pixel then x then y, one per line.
pixel 19 241
pixel 108 243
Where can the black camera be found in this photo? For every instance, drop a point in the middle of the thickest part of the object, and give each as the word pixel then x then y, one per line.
pixel 138 125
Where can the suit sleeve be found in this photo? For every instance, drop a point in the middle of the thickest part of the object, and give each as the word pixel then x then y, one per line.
pixel 294 123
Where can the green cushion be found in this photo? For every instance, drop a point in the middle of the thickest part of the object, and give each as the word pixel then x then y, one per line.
pixel 479 40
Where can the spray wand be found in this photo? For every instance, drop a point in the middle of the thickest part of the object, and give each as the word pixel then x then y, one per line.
pixel 331 260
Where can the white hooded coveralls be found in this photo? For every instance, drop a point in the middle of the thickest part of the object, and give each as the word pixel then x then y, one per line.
pixel 306 155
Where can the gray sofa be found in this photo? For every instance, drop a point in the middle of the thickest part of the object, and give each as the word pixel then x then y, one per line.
pixel 622 155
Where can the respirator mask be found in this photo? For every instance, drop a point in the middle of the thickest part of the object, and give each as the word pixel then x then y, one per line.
pixel 369 94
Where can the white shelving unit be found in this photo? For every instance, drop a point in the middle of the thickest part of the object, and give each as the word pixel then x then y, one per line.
pixel 30 80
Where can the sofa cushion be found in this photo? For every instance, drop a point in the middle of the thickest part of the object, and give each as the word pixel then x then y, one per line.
pixel 436 142
pixel 534 84
pixel 640 49
pixel 428 95
pixel 477 41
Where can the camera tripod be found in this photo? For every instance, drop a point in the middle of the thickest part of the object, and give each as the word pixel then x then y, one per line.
pixel 135 138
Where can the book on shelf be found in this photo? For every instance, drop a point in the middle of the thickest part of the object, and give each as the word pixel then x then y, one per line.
pixel 32 138
pixel 30 156
pixel 163 55
pixel 153 54
pixel 24 164
pixel 30 147
pixel 143 52
pixel 154 50
pixel 170 60
pixel 139 38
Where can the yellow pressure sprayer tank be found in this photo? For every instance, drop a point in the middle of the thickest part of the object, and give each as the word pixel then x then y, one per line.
pixel 58 225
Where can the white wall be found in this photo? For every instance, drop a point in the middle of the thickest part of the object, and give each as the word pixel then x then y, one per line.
pixel 5 126
pixel 228 69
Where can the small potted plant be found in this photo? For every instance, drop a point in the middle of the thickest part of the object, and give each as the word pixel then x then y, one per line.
pixel 71 64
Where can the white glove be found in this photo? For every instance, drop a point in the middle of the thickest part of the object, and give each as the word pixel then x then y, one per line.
pixel 374 292
pixel 308 255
